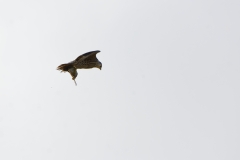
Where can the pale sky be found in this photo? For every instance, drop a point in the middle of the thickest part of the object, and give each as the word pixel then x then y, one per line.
pixel 169 88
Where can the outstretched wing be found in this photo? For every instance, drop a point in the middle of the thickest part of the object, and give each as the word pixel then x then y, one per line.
pixel 89 55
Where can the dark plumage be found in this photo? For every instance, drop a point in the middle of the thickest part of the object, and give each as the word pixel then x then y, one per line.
pixel 85 61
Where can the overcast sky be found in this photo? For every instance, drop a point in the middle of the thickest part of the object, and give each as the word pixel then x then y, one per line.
pixel 169 88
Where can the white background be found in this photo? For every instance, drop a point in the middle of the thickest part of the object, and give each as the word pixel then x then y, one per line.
pixel 168 89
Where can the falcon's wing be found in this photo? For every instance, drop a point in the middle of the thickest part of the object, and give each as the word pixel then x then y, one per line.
pixel 88 55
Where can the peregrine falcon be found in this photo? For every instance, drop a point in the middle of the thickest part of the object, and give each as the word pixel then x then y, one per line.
pixel 84 61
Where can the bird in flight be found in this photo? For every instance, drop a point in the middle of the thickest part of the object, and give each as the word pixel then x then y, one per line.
pixel 84 61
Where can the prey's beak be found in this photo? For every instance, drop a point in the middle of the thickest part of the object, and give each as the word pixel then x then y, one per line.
pixel 73 73
pixel 74 81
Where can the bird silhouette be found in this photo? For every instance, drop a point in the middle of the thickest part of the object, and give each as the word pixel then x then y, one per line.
pixel 84 61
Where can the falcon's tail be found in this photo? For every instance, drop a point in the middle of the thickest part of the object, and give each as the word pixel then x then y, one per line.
pixel 64 67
